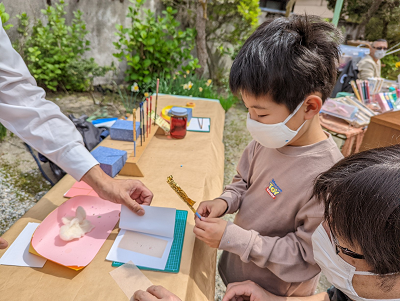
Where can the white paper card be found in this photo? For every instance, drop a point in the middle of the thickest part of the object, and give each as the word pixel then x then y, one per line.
pixel 18 253
pixel 157 221
pixel 199 124
pixel 154 243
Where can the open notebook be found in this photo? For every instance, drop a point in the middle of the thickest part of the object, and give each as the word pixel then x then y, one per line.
pixel 145 240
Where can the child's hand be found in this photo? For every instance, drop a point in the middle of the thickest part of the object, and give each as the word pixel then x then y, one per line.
pixel 155 293
pixel 214 208
pixel 248 290
pixel 210 230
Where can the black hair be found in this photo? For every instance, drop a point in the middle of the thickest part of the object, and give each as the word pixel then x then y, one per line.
pixel 288 58
pixel 361 194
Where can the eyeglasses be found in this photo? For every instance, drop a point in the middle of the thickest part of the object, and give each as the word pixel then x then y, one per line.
pixel 346 251
pixel 381 48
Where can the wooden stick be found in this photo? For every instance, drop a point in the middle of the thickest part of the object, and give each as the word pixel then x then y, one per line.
pixel 134 132
pixel 143 125
pixel 140 125
pixel 155 112
pixel 151 100
pixel 147 117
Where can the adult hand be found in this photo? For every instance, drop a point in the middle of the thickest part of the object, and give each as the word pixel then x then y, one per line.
pixel 130 193
pixel 3 243
pixel 210 230
pixel 214 208
pixel 248 290
pixel 155 293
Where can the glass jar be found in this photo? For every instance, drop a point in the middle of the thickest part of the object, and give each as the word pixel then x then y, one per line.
pixel 178 122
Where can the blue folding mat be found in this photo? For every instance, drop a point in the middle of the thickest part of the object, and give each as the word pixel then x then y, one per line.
pixel 174 259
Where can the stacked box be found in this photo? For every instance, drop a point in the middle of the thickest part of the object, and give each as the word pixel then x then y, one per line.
pixel 123 130
pixel 111 160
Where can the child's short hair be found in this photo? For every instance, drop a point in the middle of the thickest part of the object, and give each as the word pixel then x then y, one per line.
pixel 361 194
pixel 288 58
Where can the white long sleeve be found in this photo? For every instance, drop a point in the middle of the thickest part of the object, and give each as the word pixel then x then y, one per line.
pixel 37 121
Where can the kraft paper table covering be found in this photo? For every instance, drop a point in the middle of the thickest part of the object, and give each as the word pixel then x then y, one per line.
pixel 201 176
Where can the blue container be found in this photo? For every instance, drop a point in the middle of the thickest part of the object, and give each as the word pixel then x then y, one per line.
pixel 189 112
pixel 123 130
pixel 111 160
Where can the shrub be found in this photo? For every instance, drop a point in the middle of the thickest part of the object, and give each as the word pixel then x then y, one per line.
pixel 4 17
pixel 153 45
pixel 54 51
pixel 188 84
pixel 390 69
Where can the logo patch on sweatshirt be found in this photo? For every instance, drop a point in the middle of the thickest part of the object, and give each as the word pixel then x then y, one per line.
pixel 273 189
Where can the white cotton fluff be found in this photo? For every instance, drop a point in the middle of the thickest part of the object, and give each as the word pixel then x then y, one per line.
pixel 75 227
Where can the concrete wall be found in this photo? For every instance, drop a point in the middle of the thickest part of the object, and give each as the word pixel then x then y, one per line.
pixel 313 7
pixel 100 16
pixel 301 7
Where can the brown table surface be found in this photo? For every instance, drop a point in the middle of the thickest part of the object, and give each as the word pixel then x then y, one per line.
pixel 197 164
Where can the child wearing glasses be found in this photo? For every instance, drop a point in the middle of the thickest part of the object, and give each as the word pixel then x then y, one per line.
pixel 358 244
pixel 284 73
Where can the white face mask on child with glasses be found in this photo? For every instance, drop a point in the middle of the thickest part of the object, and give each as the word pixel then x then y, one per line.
pixel 335 268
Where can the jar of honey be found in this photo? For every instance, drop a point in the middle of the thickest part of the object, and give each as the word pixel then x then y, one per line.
pixel 178 122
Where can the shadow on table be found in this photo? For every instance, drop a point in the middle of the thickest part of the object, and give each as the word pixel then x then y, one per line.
pixel 202 272
pixel 57 270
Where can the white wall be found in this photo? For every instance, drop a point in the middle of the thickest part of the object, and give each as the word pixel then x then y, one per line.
pixel 100 16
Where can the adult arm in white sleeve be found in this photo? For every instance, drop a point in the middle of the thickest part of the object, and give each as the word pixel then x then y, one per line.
pixel 40 123
pixel 37 121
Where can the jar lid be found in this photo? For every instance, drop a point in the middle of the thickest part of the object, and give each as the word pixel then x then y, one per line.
pixel 176 111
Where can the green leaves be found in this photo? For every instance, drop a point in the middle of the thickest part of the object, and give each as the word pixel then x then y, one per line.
pixel 54 52
pixel 153 45
pixel 4 17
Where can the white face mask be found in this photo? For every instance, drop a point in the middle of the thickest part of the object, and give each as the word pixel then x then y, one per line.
pixel 337 271
pixel 379 54
pixel 274 135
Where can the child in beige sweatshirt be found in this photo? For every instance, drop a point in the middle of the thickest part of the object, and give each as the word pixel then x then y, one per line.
pixel 284 72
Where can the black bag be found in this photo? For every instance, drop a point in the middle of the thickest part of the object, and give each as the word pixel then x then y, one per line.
pixel 90 134
pixel 348 74
pixel 91 137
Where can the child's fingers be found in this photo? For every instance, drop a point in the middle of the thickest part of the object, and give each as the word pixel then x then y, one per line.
pixel 237 290
pixel 199 232
pixel 213 214
pixel 203 208
pixel 201 224
pixel 211 220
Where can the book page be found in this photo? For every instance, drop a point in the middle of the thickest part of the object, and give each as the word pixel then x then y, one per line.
pixel 143 244
pixel 156 221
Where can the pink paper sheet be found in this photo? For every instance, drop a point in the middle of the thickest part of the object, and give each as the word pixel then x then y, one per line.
pixel 80 188
pixel 79 252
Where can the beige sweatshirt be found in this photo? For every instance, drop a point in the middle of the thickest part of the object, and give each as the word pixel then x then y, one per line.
pixel 270 240
pixel 367 68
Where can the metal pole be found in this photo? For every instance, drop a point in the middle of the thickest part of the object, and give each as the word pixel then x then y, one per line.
pixel 336 14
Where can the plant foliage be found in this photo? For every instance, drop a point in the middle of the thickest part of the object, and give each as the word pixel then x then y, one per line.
pixel 54 51
pixel 152 45
pixel 4 17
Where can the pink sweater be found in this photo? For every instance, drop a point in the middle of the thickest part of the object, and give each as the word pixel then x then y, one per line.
pixel 270 240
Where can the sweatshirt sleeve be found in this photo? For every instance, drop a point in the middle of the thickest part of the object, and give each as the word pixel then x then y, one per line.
pixel 289 257
pixel 365 70
pixel 233 192
pixel 37 121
